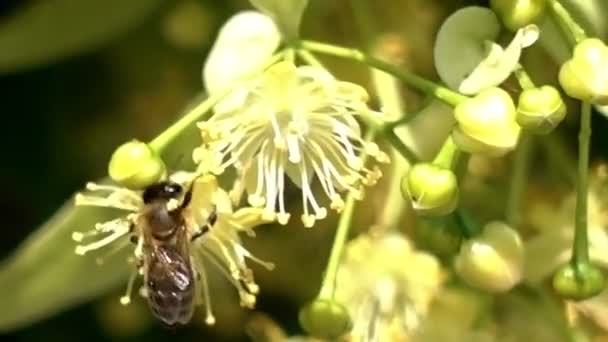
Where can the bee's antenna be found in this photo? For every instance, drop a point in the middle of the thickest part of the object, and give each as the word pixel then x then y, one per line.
pixel 188 193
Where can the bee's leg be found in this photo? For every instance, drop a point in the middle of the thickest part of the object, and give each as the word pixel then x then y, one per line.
pixel 207 226
pixel 133 237
pixel 200 232
pixel 187 198
pixel 212 217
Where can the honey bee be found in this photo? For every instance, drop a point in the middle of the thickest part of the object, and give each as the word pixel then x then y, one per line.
pixel 169 275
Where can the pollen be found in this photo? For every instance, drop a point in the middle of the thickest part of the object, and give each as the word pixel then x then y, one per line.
pixel 296 124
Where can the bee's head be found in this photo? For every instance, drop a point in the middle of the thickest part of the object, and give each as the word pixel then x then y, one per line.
pixel 162 191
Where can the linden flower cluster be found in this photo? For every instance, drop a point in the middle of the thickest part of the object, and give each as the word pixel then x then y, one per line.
pixel 281 122
pixel 220 246
pixel 296 123
pixel 387 286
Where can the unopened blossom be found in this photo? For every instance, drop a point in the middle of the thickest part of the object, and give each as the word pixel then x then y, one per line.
pixel 296 123
pixel 387 286
pixel 247 33
pixel 220 245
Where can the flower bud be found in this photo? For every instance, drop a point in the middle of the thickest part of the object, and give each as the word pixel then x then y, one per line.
pixel 492 261
pixel 578 281
pixel 540 109
pixel 325 318
pixel 486 123
pixel 247 33
pixel 432 189
pixel 135 165
pixel 585 75
pixel 516 14
pixel 287 14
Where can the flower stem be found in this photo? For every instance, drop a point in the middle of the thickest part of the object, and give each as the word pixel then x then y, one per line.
pixel 468 227
pixel 442 93
pixel 411 115
pixel 571 28
pixel 309 58
pixel 197 113
pixel 399 146
pixel 580 253
pixel 518 180
pixel 203 109
pixel 448 155
pixel 328 286
pixel 524 80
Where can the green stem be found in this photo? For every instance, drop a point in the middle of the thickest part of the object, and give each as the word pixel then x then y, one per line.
pixel 442 93
pixel 202 110
pixel 468 227
pixel 411 115
pixel 328 286
pixel 524 80
pixel 580 253
pixel 448 155
pixel 519 172
pixel 289 54
pixel 197 113
pixel 309 58
pixel 571 28
pixel 399 146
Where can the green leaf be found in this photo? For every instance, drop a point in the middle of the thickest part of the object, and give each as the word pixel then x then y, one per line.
pixel 46 31
pixel 44 276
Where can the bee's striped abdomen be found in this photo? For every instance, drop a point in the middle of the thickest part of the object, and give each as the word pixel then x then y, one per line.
pixel 170 286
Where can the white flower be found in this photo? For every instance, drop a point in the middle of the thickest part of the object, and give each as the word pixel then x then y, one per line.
pixel 297 122
pixel 467 58
pixel 220 245
pixel 387 287
pixel 499 63
pixel 244 43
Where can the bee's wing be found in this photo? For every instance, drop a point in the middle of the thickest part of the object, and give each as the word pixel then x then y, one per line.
pixel 170 283
pixel 170 261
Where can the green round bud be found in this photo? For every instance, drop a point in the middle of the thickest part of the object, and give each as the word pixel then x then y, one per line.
pixel 135 165
pixel 516 14
pixel 438 235
pixel 578 282
pixel 432 189
pixel 486 123
pixel 540 109
pixel 492 261
pixel 585 75
pixel 325 318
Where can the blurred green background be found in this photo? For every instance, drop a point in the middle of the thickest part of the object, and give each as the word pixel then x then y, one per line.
pixel 79 77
